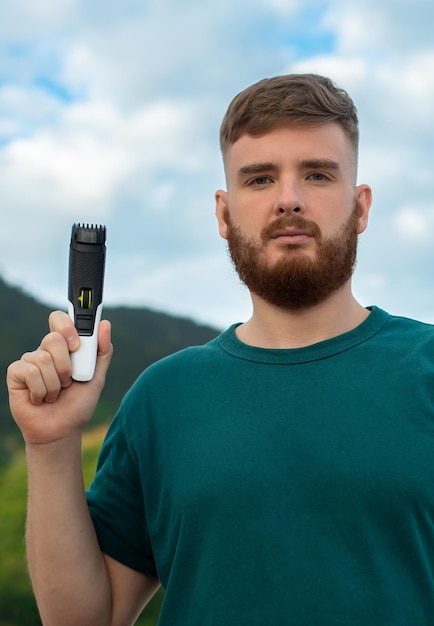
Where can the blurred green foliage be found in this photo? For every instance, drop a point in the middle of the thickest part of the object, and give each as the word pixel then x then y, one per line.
pixel 17 605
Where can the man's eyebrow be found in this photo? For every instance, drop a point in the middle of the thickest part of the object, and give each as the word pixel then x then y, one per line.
pixel 320 164
pixel 268 166
pixel 255 168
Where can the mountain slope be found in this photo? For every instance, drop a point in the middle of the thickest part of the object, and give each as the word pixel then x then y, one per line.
pixel 140 337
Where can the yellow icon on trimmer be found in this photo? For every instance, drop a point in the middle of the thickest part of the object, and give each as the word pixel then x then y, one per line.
pixel 85 298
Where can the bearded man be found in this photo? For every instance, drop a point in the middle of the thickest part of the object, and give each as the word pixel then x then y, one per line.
pixel 281 474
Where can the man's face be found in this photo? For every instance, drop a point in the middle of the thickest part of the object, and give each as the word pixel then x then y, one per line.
pixel 291 214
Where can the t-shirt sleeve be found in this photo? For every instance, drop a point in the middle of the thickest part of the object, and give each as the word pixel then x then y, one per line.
pixel 116 503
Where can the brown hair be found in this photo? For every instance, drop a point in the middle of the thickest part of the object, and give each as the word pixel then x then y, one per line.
pixel 291 99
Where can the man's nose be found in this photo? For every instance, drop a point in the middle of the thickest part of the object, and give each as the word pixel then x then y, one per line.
pixel 289 200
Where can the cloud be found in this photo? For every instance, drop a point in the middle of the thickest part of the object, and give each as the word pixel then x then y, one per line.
pixel 415 225
pixel 109 113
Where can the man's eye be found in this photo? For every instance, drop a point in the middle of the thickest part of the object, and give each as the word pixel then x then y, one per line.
pixel 317 176
pixel 260 180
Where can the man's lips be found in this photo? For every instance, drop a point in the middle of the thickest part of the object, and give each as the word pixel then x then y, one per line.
pixel 291 230
pixel 291 235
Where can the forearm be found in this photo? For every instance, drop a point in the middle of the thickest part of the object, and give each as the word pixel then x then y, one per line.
pixel 67 569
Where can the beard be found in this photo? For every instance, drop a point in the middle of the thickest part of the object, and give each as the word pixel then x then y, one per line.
pixel 295 281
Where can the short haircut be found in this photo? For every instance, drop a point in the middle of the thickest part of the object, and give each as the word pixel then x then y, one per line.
pixel 298 99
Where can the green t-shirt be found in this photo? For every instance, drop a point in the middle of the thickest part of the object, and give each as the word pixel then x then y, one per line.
pixel 280 487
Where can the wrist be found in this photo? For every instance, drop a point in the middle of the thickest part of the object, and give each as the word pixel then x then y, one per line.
pixel 59 450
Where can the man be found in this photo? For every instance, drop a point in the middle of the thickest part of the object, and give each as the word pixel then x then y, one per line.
pixel 282 473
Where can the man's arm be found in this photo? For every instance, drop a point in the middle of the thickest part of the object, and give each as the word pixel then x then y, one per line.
pixel 74 583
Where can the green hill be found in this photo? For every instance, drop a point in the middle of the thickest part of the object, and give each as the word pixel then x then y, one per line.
pixel 140 337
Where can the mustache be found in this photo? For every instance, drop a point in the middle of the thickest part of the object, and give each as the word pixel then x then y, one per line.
pixel 292 221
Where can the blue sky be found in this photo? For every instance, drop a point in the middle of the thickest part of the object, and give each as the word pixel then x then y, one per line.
pixel 109 113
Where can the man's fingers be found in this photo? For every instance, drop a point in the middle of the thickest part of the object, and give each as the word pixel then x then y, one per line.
pixel 42 378
pixel 104 338
pixel 61 323
pixel 57 348
pixel 35 375
pixel 105 349
pixel 64 339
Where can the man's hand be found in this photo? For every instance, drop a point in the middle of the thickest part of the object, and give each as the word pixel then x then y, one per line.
pixel 46 403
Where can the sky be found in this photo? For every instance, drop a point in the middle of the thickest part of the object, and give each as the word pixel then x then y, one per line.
pixel 110 113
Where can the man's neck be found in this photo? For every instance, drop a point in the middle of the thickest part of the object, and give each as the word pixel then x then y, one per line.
pixel 273 327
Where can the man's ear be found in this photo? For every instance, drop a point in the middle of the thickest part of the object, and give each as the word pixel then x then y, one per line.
pixel 221 203
pixel 364 197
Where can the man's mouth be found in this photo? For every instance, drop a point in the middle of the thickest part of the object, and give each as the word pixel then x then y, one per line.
pixel 291 235
pixel 292 230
